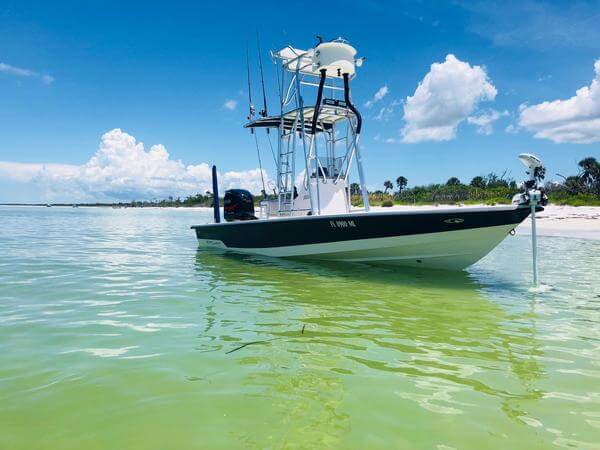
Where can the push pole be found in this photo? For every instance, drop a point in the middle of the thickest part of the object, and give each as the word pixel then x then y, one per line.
pixel 215 184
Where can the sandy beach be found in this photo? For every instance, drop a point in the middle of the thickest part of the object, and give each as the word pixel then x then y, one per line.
pixel 568 221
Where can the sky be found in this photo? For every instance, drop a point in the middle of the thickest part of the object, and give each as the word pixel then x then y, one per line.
pixel 104 101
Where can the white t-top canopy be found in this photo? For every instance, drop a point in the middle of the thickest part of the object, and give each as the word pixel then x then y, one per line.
pixel 294 59
pixel 336 57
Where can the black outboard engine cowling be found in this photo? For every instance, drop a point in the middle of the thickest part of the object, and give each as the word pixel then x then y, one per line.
pixel 238 204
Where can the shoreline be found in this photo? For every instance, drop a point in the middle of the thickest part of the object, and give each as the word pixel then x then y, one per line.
pixel 563 221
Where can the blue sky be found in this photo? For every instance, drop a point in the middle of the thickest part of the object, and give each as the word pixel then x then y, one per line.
pixel 165 73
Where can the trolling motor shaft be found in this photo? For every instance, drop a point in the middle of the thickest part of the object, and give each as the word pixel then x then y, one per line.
pixel 533 196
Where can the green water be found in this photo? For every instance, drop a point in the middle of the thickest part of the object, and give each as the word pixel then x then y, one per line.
pixel 117 332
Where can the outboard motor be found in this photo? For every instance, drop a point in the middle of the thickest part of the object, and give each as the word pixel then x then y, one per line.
pixel 238 204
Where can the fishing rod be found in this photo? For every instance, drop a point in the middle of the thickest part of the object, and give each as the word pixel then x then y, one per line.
pixel 250 105
pixel 251 113
pixel 263 113
pixel 262 178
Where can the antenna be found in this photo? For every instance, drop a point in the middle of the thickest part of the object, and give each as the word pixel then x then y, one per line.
pixel 262 77
pixel 250 105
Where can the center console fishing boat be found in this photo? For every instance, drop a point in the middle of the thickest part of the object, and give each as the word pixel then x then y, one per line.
pixel 310 215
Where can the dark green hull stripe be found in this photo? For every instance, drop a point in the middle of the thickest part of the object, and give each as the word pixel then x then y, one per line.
pixel 350 227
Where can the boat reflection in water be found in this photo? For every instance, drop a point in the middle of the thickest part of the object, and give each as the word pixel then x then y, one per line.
pixel 322 340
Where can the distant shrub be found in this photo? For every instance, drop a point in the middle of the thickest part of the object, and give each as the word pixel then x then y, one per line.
pixel 498 201
pixel 387 203
pixel 562 198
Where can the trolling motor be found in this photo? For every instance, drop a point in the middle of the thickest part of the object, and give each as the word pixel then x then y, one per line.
pixel 534 193
pixel 533 196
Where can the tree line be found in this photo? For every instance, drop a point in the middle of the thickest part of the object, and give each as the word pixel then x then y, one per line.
pixel 205 199
pixel 582 188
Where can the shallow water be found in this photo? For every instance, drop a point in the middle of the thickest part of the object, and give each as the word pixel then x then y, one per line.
pixel 118 332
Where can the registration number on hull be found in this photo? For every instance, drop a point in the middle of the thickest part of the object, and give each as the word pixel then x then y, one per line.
pixel 342 224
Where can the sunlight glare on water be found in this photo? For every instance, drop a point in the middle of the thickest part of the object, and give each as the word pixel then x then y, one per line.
pixel 118 332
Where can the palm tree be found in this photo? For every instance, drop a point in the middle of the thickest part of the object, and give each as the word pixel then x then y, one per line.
pixel 401 182
pixel 574 185
pixel 478 182
pixel 354 189
pixel 387 184
pixel 590 173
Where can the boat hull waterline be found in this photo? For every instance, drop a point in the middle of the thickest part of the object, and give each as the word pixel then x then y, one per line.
pixel 450 239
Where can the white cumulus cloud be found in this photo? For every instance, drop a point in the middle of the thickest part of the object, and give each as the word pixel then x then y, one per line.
pixel 230 104
pixel 378 96
pixel 574 120
pixel 20 72
pixel 121 169
pixel 484 121
pixel 446 96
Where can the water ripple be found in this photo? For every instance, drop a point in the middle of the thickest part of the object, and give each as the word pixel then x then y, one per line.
pixel 283 353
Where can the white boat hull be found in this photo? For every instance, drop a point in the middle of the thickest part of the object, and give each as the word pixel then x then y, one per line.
pixel 449 250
